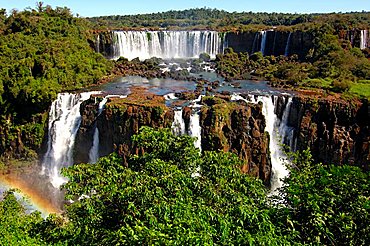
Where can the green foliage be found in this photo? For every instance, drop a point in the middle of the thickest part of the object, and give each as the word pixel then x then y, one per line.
pixel 169 194
pixel 42 53
pixel 327 205
pixel 361 89
pixel 328 66
pixel 220 19
pixel 204 57
pixel 232 65
pixel 15 224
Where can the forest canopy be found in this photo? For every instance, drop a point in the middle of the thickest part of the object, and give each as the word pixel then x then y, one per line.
pixel 43 51
pixel 172 194
pixel 224 20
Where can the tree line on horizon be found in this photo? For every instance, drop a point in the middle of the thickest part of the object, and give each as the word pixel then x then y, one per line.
pixel 218 19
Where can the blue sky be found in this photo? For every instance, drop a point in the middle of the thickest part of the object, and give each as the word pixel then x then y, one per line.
pixel 122 7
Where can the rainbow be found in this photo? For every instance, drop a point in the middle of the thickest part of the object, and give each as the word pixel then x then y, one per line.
pixel 34 200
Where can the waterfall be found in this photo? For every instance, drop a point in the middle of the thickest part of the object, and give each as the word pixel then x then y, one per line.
pixel 166 44
pixel 274 44
pixel 286 53
pixel 363 39
pixel 286 132
pixel 254 48
pixel 64 121
pixel 279 171
pixel 195 130
pixel 98 43
pixel 278 130
pixel 94 151
pixel 178 125
pixel 263 41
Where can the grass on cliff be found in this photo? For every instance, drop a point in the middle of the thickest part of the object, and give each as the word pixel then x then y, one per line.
pixel 361 89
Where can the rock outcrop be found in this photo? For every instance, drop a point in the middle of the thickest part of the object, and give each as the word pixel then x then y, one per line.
pixel 337 132
pixel 238 128
pixel 276 41
pixel 119 121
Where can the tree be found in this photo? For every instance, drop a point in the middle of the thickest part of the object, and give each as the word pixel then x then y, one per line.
pixel 15 224
pixel 169 194
pixel 328 205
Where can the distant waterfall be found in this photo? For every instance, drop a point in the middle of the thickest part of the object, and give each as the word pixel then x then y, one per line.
pixel 178 125
pixel 64 121
pixel 263 41
pixel 98 44
pixel 166 44
pixel 286 132
pixel 255 40
pixel 94 151
pixel 363 39
pixel 286 53
pixel 195 129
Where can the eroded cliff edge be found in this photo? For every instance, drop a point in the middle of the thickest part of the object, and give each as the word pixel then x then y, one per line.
pixel 336 131
pixel 226 126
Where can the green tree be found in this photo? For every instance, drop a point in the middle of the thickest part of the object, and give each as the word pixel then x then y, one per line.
pixel 15 224
pixel 168 194
pixel 326 205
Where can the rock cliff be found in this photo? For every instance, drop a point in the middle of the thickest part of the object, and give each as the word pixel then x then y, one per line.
pixel 238 128
pixel 120 120
pixel 336 131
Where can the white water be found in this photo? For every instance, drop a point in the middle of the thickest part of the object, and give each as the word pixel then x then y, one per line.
pixel 64 121
pixel 195 130
pixel 170 96
pixel 166 44
pixel 363 39
pixel 263 41
pixel 286 53
pixel 277 130
pixel 178 125
pixel 286 132
pixel 98 43
pixel 94 151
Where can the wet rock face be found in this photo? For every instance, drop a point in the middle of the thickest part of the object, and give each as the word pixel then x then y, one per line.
pixel 276 41
pixel 119 121
pixel 336 132
pixel 84 138
pixel 238 128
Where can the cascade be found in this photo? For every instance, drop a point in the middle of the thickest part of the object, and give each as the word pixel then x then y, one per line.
pixel 178 125
pixel 166 44
pixel 286 132
pixel 352 38
pixel 94 151
pixel 263 41
pixel 363 39
pixel 195 129
pixel 98 43
pixel 277 130
pixel 274 43
pixel 286 53
pixel 64 121
pixel 254 48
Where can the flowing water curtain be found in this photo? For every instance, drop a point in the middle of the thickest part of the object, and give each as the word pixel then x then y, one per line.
pixel 64 122
pixel 166 44
pixel 278 131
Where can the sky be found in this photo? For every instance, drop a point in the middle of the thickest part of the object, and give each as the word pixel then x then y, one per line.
pixel 91 8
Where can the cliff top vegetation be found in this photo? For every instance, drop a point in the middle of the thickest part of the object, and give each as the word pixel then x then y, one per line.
pixel 206 18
